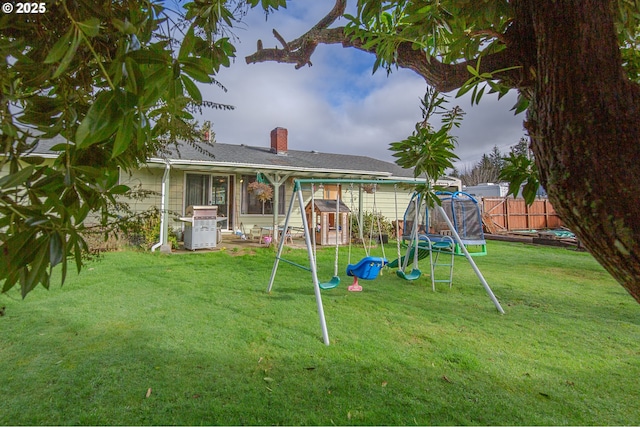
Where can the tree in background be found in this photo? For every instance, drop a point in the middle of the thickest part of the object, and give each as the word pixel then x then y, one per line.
pixel 521 148
pixel 487 169
pixel 492 166
pixel 104 84
pixel 574 64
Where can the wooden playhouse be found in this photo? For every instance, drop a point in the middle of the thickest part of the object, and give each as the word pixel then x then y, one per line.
pixel 326 221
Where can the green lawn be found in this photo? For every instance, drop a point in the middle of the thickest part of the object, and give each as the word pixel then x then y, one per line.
pixel 141 338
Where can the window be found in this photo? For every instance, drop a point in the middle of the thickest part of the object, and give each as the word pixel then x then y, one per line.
pixel 331 191
pixel 197 190
pixel 251 204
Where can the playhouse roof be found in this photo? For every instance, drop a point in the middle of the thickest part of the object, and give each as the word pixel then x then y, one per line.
pixel 328 205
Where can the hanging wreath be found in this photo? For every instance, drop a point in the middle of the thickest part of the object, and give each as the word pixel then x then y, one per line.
pixel 264 192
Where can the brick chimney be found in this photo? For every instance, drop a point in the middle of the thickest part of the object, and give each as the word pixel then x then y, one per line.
pixel 279 140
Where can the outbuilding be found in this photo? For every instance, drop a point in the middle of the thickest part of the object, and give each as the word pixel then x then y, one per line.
pixel 329 220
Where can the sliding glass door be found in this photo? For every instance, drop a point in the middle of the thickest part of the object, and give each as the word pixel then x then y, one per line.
pixel 220 198
pixel 208 189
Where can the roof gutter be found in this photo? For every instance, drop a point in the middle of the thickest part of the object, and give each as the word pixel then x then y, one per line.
pixel 254 167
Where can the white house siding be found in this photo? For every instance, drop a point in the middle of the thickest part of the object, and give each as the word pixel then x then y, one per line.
pixel 149 179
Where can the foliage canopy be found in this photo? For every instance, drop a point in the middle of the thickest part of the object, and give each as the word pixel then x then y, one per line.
pixel 103 85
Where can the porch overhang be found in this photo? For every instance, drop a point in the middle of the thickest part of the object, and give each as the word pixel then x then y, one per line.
pixel 227 167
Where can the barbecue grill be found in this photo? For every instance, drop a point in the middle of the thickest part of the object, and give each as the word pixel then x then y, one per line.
pixel 201 227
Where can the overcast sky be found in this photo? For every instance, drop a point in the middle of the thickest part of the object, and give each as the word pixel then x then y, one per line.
pixel 337 105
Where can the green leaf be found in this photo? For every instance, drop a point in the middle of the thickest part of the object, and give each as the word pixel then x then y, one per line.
pixel 17 179
pixel 192 89
pixel 9 280
pixel 467 86
pixel 479 94
pixel 56 249
pixel 101 121
pixel 64 271
pixel 124 26
pixel 59 49
pixel 10 130
pixel 196 69
pixel 518 169
pixel 78 247
pixel 119 189
pixel 124 136
pixel 473 71
pixel 149 56
pixel 135 79
pixel 68 56
pixel 188 43
pixel 33 160
pixel 521 105
pixel 38 272
pixel 529 191
pixel 90 27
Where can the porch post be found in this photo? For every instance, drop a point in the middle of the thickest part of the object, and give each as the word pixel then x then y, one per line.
pixel 276 180
pixel 276 206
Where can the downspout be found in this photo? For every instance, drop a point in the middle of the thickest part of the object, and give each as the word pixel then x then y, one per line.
pixel 163 214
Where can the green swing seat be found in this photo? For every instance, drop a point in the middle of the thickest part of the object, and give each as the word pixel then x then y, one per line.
pixel 334 282
pixel 414 274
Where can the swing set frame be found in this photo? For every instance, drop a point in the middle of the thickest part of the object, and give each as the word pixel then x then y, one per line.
pixel 297 196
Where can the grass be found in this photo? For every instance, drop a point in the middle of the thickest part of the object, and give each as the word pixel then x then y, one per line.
pixel 193 339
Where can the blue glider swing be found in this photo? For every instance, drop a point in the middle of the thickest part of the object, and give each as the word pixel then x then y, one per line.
pixel 369 267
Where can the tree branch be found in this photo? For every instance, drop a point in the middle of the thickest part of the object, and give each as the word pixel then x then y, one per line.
pixel 443 77
pixel 299 51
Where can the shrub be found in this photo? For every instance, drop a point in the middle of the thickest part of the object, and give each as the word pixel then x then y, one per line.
pixel 369 220
pixel 145 231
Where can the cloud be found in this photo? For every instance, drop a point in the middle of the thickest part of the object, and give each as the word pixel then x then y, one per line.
pixel 337 105
pixel 487 125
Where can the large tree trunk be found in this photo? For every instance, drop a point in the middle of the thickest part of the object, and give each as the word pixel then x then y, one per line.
pixel 584 122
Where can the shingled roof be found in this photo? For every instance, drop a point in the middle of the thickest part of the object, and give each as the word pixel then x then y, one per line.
pixel 236 158
pixel 246 156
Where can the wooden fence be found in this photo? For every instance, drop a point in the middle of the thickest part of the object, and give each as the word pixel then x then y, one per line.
pixel 501 214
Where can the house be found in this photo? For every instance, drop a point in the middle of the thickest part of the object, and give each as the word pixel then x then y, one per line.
pixel 190 177
pixel 195 178
pixel 500 189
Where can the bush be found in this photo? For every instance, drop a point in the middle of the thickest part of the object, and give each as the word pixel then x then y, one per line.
pixel 101 240
pixel 145 231
pixel 370 219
